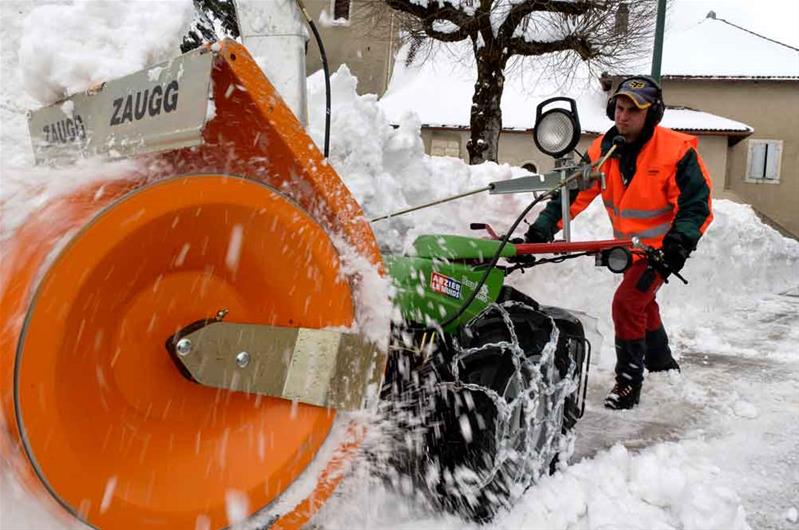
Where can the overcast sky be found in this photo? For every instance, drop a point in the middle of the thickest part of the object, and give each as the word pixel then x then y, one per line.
pixel 776 19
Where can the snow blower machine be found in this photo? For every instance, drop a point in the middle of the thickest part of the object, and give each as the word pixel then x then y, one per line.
pixel 484 384
pixel 177 339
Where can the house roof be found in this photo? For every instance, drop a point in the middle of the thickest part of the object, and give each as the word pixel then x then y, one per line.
pixel 715 48
pixel 440 91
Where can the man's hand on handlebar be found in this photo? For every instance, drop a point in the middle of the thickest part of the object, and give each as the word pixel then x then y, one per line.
pixel 658 260
pixel 521 261
pixel 675 251
pixel 535 235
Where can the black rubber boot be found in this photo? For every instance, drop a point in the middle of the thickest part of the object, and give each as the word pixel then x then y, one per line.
pixel 658 356
pixel 623 396
pixel 629 374
pixel 630 361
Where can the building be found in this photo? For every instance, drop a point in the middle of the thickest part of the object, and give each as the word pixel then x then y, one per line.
pixel 352 36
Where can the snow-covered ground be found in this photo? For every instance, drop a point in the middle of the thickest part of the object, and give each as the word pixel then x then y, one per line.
pixel 715 447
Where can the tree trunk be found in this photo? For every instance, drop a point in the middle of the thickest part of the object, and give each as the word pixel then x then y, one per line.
pixel 486 114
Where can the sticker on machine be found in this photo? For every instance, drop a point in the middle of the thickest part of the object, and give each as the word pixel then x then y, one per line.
pixel 445 285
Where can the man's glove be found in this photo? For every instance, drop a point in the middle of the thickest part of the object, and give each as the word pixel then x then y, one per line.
pixel 676 250
pixel 537 234
pixel 524 259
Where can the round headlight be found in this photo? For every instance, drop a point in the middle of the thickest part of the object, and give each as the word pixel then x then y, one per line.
pixel 618 259
pixel 556 132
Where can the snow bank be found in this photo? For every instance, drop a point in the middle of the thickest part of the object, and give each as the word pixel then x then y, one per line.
pixel 68 48
pixel 665 486
pixel 386 168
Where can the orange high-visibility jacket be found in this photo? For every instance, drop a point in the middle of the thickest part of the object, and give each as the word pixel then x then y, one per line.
pixel 670 190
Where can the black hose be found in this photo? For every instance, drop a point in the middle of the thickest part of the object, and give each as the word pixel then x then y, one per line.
pixel 494 260
pixel 327 76
pixel 617 141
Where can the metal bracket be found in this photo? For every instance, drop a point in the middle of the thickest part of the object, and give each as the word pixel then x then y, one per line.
pixel 531 183
pixel 314 366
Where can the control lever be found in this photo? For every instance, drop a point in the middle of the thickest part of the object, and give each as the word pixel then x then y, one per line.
pixel 486 227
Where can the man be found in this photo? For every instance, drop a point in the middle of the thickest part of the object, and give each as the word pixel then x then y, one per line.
pixel 657 189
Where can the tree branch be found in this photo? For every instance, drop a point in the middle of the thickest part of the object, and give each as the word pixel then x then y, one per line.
pixel 523 9
pixel 433 12
pixel 444 36
pixel 577 43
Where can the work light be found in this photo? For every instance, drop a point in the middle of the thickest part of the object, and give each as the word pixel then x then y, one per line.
pixel 557 130
pixel 616 259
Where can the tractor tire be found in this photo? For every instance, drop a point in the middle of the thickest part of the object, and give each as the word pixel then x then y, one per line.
pixel 477 427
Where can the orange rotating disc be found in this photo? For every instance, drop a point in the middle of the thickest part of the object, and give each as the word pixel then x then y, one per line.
pixel 112 429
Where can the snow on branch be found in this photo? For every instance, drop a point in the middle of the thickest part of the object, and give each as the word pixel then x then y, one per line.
pixel 519 11
pixel 444 30
pixel 576 43
pixel 429 12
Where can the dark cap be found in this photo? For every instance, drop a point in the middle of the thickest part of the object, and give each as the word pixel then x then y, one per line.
pixel 640 91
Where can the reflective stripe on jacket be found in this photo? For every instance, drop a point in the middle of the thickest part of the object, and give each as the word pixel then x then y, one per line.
pixel 670 190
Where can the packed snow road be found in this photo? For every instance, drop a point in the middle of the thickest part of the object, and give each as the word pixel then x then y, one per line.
pixel 743 407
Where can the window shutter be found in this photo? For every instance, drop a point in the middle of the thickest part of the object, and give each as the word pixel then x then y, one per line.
pixel 453 148
pixel 764 160
pixel 438 147
pixel 774 155
pixel 757 159
pixel 445 146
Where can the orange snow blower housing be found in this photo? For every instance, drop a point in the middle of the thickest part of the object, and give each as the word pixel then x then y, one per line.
pixel 237 214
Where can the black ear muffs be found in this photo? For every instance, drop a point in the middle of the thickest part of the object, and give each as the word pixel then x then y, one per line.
pixel 610 110
pixel 654 113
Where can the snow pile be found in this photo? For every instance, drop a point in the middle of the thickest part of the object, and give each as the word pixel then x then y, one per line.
pixel 386 168
pixel 69 48
pixel 665 486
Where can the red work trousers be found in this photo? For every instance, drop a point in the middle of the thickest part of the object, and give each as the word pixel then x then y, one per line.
pixel 635 311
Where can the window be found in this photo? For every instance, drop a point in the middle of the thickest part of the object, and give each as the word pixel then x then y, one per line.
pixel 445 146
pixel 764 160
pixel 341 9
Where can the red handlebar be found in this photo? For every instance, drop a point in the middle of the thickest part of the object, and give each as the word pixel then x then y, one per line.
pixel 563 247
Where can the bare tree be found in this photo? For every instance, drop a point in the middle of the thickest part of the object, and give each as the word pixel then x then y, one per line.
pixel 602 32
